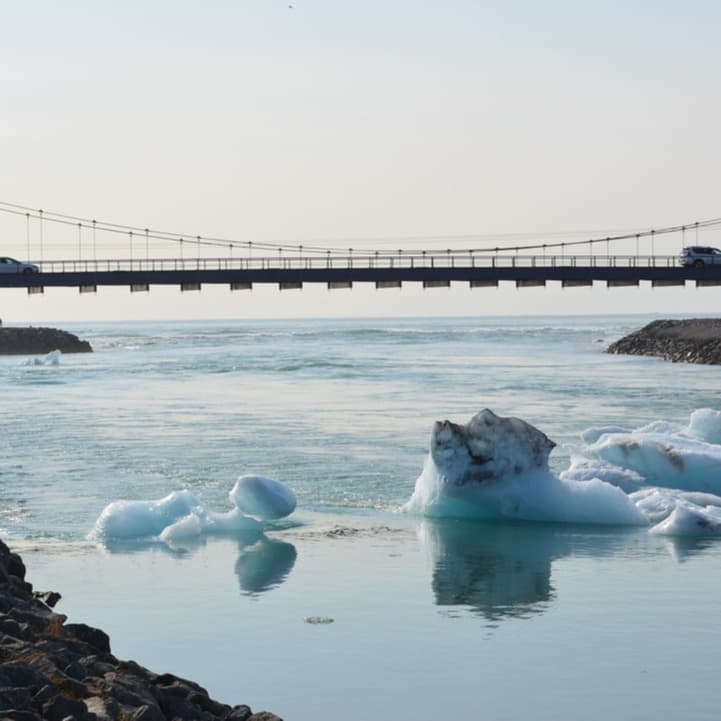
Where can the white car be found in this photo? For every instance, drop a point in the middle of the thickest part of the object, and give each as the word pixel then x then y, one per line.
pixel 10 265
pixel 699 255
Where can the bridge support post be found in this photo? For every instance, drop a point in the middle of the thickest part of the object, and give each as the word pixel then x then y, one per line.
pixel 621 283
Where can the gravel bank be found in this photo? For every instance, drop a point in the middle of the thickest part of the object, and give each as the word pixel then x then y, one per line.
pixel 31 341
pixel 696 340
pixel 50 669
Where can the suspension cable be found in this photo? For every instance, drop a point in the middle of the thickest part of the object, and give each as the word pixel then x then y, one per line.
pixel 129 231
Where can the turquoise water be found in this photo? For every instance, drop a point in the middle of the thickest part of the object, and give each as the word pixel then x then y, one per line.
pixel 430 618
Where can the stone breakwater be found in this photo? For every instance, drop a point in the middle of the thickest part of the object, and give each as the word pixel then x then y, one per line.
pixel 30 341
pixel 696 340
pixel 50 669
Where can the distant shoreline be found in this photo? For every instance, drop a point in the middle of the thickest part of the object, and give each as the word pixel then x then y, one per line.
pixel 33 341
pixel 694 340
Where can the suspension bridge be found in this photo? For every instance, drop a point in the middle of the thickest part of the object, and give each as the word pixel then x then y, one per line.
pixel 188 262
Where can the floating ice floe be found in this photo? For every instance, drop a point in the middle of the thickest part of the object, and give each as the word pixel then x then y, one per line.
pixel 663 474
pixel 680 513
pixel 50 359
pixel 659 454
pixel 180 516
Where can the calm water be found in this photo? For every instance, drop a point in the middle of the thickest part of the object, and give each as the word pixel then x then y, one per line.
pixel 430 619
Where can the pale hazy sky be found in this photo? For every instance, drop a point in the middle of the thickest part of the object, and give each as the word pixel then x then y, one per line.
pixel 333 120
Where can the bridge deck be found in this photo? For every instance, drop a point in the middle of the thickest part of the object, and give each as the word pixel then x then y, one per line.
pixel 429 270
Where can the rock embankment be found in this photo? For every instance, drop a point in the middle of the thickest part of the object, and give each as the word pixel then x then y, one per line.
pixel 29 341
pixel 696 340
pixel 50 669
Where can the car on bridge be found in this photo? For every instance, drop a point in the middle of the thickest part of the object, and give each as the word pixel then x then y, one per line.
pixel 699 256
pixel 10 265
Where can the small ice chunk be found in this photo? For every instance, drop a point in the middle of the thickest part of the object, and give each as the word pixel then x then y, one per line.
pixel 263 497
pixel 187 527
pixel 586 469
pixel 233 520
pixel 656 504
pixel 137 519
pixel 705 424
pixel 689 520
pixel 50 359
pixel 177 517
pixel 591 435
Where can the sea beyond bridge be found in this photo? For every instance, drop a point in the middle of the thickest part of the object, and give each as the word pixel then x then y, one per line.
pixel 86 253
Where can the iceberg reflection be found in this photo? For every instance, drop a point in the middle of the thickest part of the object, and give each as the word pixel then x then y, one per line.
pixel 502 570
pixel 263 564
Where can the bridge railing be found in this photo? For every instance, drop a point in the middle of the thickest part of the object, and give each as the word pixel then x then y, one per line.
pixel 359 260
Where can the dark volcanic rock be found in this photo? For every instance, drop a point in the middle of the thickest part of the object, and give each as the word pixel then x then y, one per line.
pixel 28 341
pixel 696 340
pixel 53 671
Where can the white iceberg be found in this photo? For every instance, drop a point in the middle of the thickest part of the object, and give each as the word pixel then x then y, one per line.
pixel 663 475
pixel 180 516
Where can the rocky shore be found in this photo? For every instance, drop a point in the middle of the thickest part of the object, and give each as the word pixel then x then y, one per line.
pixel 29 341
pixel 50 669
pixel 696 340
